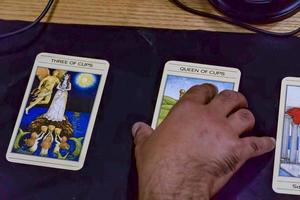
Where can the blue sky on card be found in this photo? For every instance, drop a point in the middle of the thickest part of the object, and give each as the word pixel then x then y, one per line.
pixel 175 83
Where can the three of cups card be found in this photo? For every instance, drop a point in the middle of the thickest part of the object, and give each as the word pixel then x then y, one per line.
pixel 58 112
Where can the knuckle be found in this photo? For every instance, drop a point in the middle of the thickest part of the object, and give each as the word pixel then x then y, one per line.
pixel 246 115
pixel 194 89
pixel 229 95
pixel 205 88
pixel 208 86
pixel 254 147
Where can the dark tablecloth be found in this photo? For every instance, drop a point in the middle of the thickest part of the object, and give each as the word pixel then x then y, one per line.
pixel 137 57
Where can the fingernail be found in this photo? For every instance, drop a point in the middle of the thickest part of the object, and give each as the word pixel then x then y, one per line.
pixel 135 128
pixel 274 141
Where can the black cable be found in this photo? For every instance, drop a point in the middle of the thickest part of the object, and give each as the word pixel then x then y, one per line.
pixel 35 22
pixel 181 5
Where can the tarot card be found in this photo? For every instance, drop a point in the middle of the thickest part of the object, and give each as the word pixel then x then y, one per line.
pixel 178 77
pixel 58 112
pixel 286 173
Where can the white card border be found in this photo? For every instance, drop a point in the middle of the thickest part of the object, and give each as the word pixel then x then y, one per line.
pixel 170 67
pixel 100 67
pixel 281 184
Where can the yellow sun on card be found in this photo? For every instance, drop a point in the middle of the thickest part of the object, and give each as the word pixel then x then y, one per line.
pixel 85 80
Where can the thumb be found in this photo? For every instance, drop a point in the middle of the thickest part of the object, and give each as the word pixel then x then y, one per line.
pixel 140 132
pixel 256 146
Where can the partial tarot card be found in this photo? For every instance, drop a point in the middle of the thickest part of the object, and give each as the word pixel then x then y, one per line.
pixel 178 77
pixel 58 112
pixel 286 174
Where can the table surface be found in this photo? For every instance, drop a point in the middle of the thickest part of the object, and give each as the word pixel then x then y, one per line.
pixel 141 13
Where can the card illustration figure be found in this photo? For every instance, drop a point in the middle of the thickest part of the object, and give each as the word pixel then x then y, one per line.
pixel 56 119
pixel 290 149
pixel 179 77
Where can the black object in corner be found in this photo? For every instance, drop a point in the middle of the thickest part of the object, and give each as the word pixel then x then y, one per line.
pixel 257 11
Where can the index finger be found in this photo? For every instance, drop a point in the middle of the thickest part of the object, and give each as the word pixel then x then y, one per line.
pixel 201 94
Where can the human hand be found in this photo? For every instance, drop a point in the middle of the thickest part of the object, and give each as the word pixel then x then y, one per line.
pixel 197 148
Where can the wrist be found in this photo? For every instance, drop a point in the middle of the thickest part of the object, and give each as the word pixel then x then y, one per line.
pixel 169 181
pixel 152 193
